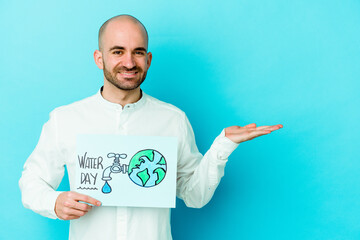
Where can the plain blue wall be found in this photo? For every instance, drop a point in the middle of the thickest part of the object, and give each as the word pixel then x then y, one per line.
pixel 223 63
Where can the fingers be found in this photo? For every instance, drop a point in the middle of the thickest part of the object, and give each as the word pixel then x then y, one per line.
pixel 239 134
pixel 263 130
pixel 251 125
pixel 77 205
pixel 86 199
pixel 73 214
pixel 257 133
pixel 270 128
pixel 72 205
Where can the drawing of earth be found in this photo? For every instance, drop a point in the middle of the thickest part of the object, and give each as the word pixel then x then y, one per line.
pixel 147 168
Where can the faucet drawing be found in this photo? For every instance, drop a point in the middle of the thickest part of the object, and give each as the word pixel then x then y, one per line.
pixel 114 168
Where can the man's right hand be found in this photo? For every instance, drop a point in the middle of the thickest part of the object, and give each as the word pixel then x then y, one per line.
pixel 68 207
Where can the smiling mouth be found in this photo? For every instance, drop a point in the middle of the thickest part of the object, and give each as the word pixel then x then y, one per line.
pixel 128 74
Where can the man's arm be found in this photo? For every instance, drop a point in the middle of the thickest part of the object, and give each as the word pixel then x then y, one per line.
pixel 239 134
pixel 42 174
pixel 199 176
pixel 73 205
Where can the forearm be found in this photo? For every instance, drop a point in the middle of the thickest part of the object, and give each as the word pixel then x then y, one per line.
pixel 43 172
pixel 38 195
pixel 198 187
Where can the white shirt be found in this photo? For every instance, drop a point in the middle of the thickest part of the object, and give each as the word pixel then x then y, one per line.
pixel 197 176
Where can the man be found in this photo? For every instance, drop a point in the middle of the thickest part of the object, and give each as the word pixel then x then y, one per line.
pixel 121 107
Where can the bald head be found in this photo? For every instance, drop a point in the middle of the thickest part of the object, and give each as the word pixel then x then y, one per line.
pixel 121 19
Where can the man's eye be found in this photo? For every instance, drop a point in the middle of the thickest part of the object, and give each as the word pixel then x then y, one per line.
pixel 117 52
pixel 139 53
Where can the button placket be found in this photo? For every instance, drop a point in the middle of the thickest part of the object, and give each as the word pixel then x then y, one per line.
pixel 121 219
pixel 122 121
pixel 118 116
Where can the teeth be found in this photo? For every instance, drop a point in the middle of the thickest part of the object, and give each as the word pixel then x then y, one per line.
pixel 128 73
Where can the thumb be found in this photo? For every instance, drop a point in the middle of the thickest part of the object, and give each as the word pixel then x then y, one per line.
pixel 251 125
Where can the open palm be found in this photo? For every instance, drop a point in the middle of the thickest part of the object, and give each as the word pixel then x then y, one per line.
pixel 239 134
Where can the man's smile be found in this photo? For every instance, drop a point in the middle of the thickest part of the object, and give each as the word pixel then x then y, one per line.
pixel 128 74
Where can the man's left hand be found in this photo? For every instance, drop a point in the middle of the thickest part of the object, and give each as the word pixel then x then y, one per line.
pixel 239 134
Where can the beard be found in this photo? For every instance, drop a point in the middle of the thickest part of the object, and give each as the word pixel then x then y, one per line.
pixel 126 84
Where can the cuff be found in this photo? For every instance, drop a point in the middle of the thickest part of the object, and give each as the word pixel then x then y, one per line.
pixel 221 149
pixel 50 204
pixel 223 146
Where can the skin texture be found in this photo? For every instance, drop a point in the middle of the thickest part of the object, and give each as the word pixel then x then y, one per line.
pixel 124 59
pixel 68 207
pixel 239 134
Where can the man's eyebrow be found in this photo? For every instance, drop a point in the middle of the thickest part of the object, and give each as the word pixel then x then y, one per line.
pixel 122 48
pixel 116 47
pixel 140 49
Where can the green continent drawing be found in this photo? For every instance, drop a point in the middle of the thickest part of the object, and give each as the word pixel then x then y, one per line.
pixel 144 176
pixel 147 168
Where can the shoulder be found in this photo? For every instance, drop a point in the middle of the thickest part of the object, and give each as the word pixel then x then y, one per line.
pixel 75 107
pixel 164 107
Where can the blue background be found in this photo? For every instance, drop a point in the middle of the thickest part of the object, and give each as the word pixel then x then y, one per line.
pixel 228 63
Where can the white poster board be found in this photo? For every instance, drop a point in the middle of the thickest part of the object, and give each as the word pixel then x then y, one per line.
pixel 136 171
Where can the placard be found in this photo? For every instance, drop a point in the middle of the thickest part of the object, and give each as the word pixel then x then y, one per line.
pixel 136 171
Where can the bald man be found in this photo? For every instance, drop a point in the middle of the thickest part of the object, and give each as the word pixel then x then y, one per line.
pixel 121 107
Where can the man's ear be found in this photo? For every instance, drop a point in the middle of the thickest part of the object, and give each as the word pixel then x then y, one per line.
pixel 149 58
pixel 98 59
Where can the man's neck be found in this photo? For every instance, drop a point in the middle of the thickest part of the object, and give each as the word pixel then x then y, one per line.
pixel 122 97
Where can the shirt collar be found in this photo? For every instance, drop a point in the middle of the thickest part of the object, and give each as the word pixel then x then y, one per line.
pixel 112 105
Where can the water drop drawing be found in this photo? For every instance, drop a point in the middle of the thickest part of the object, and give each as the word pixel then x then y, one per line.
pixel 106 188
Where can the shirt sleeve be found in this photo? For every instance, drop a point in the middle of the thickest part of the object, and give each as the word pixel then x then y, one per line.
pixel 198 176
pixel 43 172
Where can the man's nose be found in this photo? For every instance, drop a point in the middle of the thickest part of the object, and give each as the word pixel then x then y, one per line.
pixel 128 61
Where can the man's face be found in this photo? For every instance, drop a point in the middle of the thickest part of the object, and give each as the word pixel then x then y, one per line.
pixel 124 55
